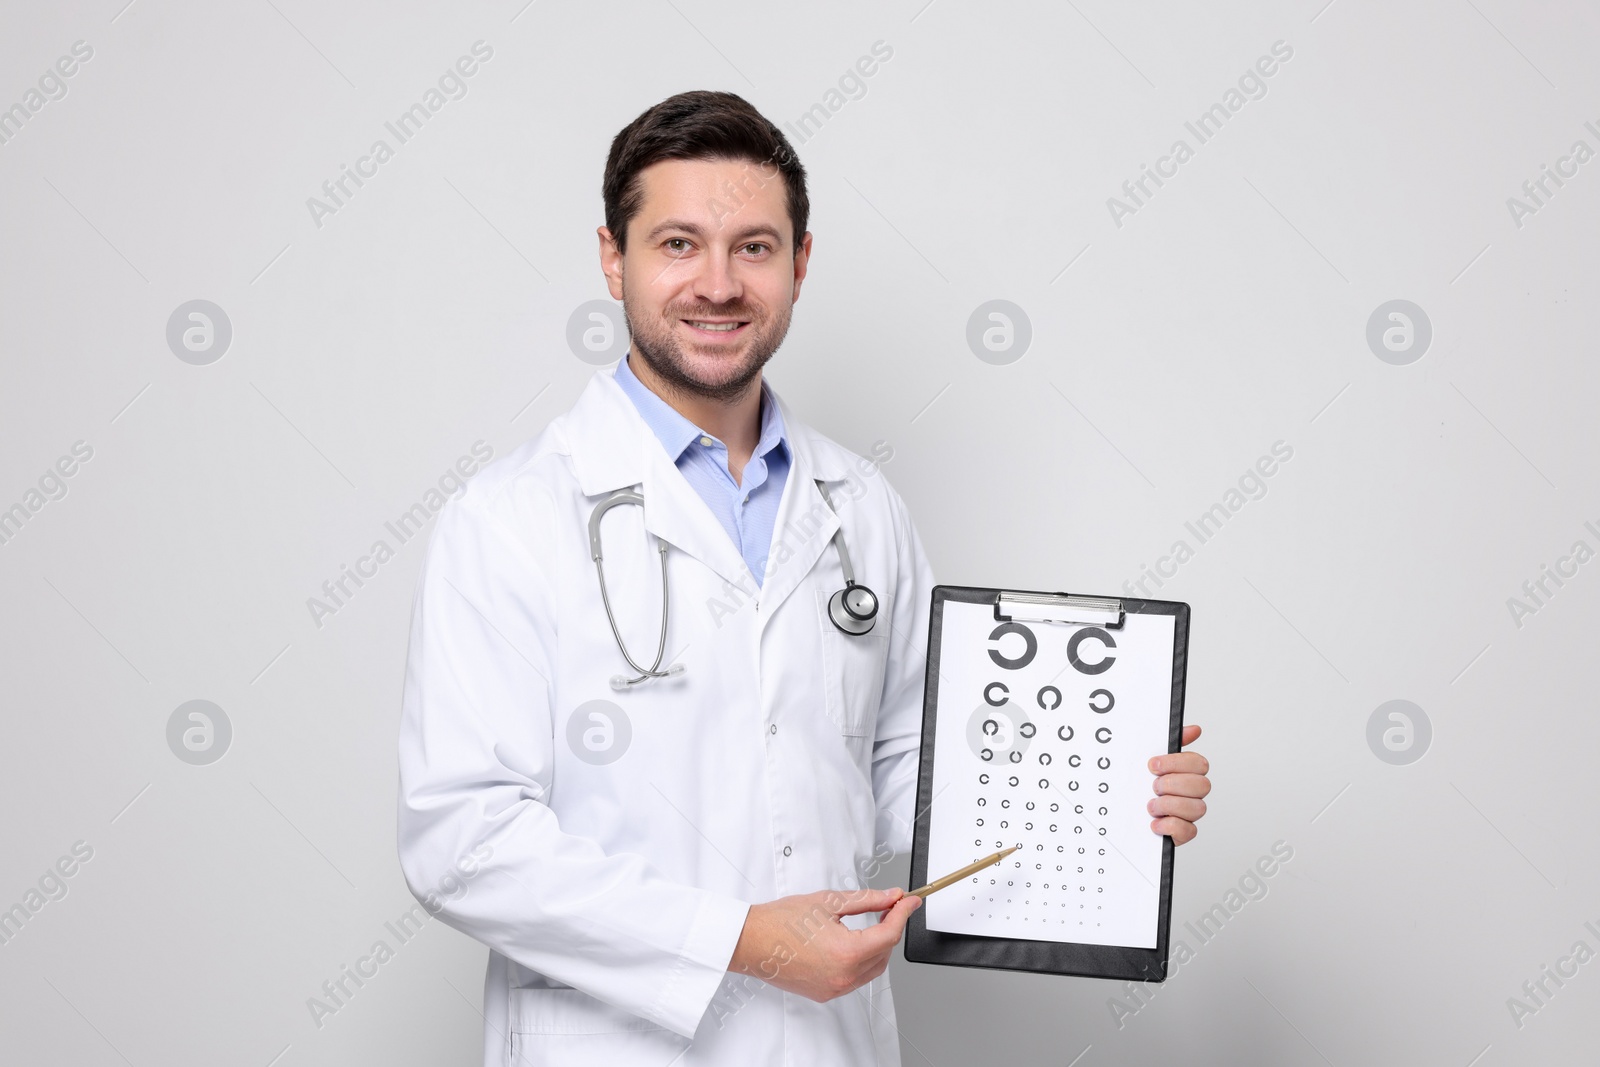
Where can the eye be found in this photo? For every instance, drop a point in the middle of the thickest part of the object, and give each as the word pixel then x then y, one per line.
pixel 757 245
pixel 673 241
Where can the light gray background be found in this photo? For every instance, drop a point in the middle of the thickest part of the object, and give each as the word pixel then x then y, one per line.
pixel 1167 355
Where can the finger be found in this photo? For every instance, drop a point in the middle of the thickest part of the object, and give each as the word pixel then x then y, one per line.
pixel 1183 785
pixel 861 901
pixel 1180 830
pixel 1183 807
pixel 883 936
pixel 1187 762
pixel 1190 732
pixel 873 966
pixel 868 969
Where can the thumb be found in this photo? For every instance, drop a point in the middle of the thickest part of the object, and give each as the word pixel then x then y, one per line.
pixel 861 901
pixel 887 932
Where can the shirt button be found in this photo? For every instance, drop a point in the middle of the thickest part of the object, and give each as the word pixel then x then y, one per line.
pixel 705 440
pixel 787 850
pixel 774 727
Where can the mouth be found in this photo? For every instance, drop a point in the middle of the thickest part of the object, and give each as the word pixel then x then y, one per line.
pixel 716 330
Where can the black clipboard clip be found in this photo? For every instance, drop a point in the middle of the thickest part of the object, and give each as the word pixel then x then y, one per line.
pixel 1059 607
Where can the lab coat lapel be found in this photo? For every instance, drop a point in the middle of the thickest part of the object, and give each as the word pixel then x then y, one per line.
pixel 674 512
pixel 805 524
pixel 613 448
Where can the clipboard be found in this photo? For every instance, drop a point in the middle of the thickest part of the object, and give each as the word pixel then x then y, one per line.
pixel 986 651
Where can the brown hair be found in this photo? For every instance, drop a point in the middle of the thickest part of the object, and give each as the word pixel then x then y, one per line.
pixel 697 125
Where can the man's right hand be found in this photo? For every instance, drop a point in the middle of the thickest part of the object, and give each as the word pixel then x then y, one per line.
pixel 798 943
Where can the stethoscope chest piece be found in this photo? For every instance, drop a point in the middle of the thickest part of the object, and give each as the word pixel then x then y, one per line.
pixel 853 609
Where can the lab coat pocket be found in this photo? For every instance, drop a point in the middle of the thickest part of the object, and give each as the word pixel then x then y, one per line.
pixel 567 1026
pixel 852 668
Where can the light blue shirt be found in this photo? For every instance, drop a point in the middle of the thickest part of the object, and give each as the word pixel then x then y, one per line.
pixel 747 511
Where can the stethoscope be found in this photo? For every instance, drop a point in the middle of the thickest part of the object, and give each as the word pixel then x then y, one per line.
pixel 853 609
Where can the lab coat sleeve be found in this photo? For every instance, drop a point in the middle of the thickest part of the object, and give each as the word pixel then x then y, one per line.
pixel 478 845
pixel 898 739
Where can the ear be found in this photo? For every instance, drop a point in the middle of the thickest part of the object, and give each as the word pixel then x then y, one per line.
pixel 611 262
pixel 802 259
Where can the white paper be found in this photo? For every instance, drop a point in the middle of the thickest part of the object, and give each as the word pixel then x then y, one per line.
pixel 1089 870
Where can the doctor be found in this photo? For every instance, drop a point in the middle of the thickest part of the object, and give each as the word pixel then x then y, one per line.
pixel 659 787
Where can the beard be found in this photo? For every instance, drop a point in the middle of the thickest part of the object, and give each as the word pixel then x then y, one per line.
pixel 728 374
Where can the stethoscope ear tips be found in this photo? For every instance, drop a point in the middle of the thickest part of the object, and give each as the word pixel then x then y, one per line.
pixel 854 609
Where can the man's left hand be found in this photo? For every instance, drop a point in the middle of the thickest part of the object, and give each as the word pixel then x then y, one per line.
pixel 1180 785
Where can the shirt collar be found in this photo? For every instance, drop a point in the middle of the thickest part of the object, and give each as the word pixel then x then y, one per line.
pixel 677 433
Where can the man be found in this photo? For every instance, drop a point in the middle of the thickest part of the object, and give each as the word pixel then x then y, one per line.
pixel 667 865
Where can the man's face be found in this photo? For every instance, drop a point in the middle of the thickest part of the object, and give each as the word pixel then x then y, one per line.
pixel 711 273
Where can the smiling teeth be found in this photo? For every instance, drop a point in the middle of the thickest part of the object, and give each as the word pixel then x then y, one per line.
pixel 720 326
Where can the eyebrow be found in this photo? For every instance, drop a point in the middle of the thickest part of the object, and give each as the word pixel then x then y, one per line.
pixel 695 229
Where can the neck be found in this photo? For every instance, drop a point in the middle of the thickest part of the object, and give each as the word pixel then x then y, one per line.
pixel 736 423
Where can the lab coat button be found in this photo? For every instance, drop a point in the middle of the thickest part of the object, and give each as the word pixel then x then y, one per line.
pixel 787 850
pixel 774 727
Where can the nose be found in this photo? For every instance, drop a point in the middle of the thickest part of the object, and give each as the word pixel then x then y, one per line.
pixel 716 283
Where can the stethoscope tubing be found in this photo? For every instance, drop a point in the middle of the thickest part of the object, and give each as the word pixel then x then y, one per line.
pixel 843 614
pixel 628 496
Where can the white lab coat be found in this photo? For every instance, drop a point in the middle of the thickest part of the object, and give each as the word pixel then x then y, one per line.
pixel 783 760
